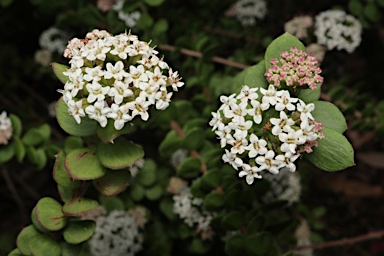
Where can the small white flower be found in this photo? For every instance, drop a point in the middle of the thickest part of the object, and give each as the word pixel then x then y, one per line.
pixel 256 146
pixel 267 162
pixel 256 110
pixel 138 74
pixel 95 74
pixel 281 124
pixel 231 158
pixel 238 144
pixel 284 101
pixel 305 110
pixel 250 173
pixel 98 111
pixel 119 91
pixel 291 140
pixel 163 98
pixel 96 91
pixel 75 109
pixel 120 115
pixel 288 158
pixel 240 126
pixel 269 97
pixel 174 80
pixel 247 94
pixel 139 107
pixel 228 102
pixel 216 120
pixel 116 71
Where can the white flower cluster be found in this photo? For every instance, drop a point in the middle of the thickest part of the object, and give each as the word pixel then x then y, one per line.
pixel 53 40
pixel 248 10
pixel 298 26
pixel 189 209
pixel 130 19
pixel 264 133
pixel 117 77
pixel 284 186
pixel 116 234
pixel 337 29
pixel 5 128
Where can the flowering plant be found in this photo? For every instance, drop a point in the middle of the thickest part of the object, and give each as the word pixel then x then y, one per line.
pixel 271 129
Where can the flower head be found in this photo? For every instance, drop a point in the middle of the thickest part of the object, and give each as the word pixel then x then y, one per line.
pixel 298 26
pixel 264 130
pixel 5 128
pixel 116 77
pixel 296 69
pixel 247 11
pixel 337 29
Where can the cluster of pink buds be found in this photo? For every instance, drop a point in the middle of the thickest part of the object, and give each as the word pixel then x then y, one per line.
pixel 294 69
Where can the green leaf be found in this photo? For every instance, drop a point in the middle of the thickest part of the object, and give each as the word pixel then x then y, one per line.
pixel 254 76
pixel 147 174
pixel 22 240
pixel 16 252
pixel 160 27
pixel 79 231
pixel 238 80
pixel 372 12
pixel 72 190
pixel 111 203
pixel 166 207
pixel 83 164
pixel 16 125
pixel 79 206
pixel 329 115
pixel 145 21
pixel 189 168
pixel 213 201
pixel 43 245
pixel 154 192
pixel 309 95
pixel 87 127
pixel 72 249
pixel 49 215
pixel 108 133
pixel 199 247
pixel 40 158
pixel 58 69
pixel 32 138
pixel 113 182
pixel 120 154
pixel 233 220
pixel 234 246
pixel 212 178
pixel 194 138
pixel 154 2
pixel 259 244
pixel 170 144
pixel 280 44
pixel 20 150
pixel 60 174
pixel 334 152
pixel 355 7
pixel 6 153
pixel 137 192
pixel 71 143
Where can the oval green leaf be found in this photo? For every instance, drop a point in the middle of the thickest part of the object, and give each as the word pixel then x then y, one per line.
pixel 334 152
pixel 189 168
pixel 79 206
pixel 58 70
pixel 329 115
pixel 79 231
pixel 20 150
pixel 309 95
pixel 83 164
pixel 16 125
pixel 43 245
pixel 280 44
pixel 120 154
pixel 113 182
pixel 71 143
pixel 24 237
pixel 254 76
pixel 49 215
pixel 213 201
pixel 87 127
pixel 147 174
pixel 6 153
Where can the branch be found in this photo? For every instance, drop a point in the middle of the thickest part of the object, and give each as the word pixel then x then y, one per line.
pixel 345 241
pixel 176 127
pixel 197 54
